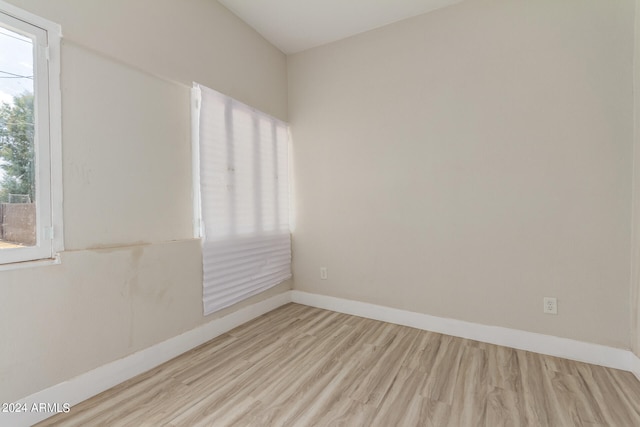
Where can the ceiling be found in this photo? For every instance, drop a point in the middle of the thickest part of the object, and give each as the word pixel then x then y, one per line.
pixel 297 25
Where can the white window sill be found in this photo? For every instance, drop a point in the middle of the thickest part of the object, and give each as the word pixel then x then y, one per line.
pixel 31 264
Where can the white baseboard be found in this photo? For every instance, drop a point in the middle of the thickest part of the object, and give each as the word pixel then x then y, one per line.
pixel 635 365
pixel 530 341
pixel 100 379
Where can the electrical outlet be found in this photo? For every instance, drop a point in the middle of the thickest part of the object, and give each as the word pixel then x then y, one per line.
pixel 550 305
pixel 323 273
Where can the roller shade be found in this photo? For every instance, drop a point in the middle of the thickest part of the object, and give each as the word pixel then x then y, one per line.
pixel 243 198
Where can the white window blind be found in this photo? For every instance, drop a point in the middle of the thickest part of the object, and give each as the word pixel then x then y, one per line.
pixel 243 200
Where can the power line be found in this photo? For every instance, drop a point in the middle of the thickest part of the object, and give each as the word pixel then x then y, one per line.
pixel 14 76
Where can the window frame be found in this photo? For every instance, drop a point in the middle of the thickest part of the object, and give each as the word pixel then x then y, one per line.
pixel 46 37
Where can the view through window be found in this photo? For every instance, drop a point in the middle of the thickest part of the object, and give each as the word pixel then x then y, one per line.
pixel 31 226
pixel 17 148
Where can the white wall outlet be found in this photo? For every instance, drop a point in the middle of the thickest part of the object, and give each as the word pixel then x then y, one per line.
pixel 323 273
pixel 550 305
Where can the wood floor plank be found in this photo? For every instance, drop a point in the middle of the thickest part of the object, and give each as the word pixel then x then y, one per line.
pixel 616 405
pixel 504 409
pixel 444 371
pixel 325 374
pixel 540 401
pixel 503 368
pixel 580 405
pixel 436 414
pixel 386 361
pixel 403 404
pixel 347 413
pixel 423 352
pixel 470 390
pixel 303 366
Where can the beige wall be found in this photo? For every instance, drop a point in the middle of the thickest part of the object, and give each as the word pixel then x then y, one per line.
pixel 131 275
pixel 468 162
pixel 197 40
pixel 635 254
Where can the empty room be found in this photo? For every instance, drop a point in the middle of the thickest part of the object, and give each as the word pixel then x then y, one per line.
pixel 319 213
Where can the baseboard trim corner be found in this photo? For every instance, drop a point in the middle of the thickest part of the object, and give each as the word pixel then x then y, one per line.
pixel 635 365
pixel 530 341
pixel 96 381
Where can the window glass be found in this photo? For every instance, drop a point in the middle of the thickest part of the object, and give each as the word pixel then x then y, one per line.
pixel 17 149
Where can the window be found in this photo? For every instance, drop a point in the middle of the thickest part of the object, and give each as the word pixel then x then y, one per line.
pixel 241 169
pixel 30 155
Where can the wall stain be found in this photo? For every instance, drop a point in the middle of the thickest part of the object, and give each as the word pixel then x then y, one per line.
pixel 133 285
pixel 114 247
pixel 141 291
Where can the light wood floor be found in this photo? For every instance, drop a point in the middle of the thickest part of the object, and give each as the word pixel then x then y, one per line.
pixel 304 366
